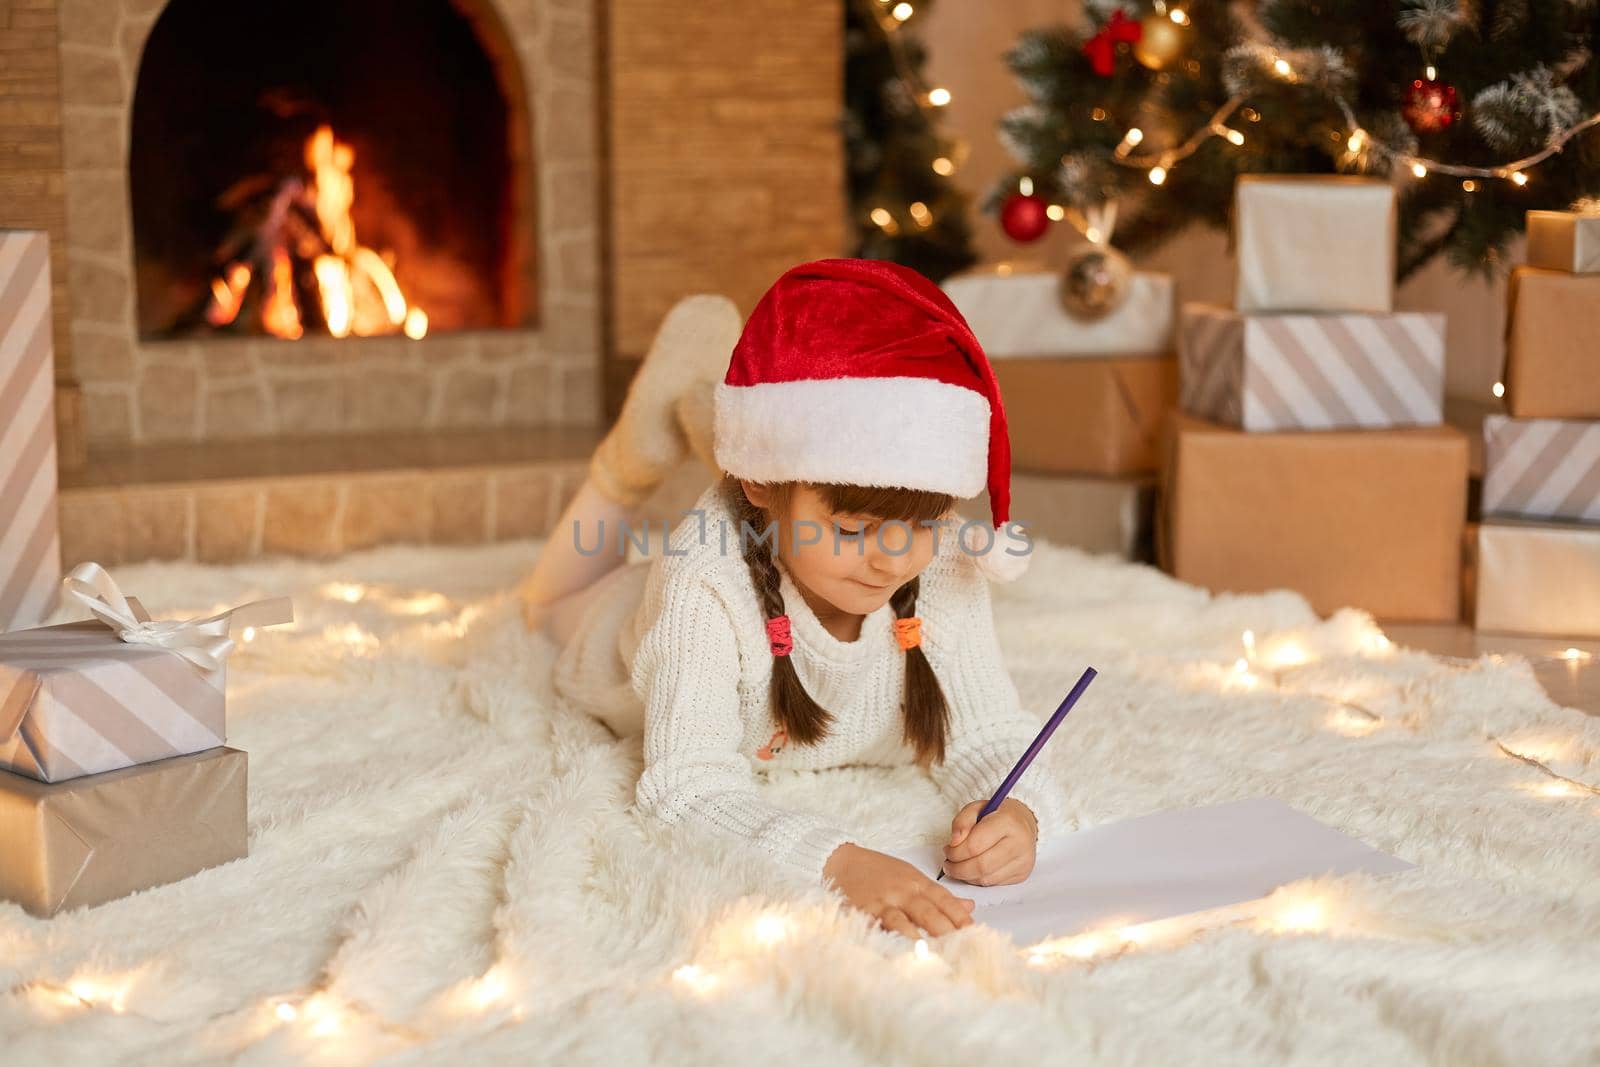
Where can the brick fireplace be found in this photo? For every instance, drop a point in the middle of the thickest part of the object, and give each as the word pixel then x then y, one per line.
pixel 527 354
pixel 230 444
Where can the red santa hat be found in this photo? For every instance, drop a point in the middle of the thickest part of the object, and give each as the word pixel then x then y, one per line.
pixel 862 372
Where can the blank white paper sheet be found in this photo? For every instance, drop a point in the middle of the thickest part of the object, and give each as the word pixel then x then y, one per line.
pixel 1159 866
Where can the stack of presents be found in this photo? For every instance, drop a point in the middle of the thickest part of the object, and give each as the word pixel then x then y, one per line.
pixel 1310 452
pixel 1538 545
pixel 1084 400
pixel 114 772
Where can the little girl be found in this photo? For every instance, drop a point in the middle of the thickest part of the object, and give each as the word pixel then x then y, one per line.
pixel 823 604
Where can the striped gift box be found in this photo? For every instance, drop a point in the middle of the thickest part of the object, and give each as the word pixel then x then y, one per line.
pixel 30 546
pixel 77 700
pixel 1541 468
pixel 1356 370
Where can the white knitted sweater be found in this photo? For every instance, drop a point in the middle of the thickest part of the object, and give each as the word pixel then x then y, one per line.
pixel 679 641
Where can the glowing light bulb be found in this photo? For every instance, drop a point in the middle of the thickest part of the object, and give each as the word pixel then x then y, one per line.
pixel 1093 234
pixel 1177 15
pixel 770 929
pixel 882 218
pixel 1055 212
pixel 1357 141
pixel 1158 175
pixel 1518 178
pixel 286 1011
pixel 939 97
pixel 1234 136
pixel 1468 185
pixel 1282 67
pixel 1574 654
pixel 1133 136
pixel 1499 389
pixel 1431 72
pixel 1025 186
pixel 1248 639
pixel 248 635
pixel 942 166
pixel 901 12
pixel 920 950
pixel 1419 170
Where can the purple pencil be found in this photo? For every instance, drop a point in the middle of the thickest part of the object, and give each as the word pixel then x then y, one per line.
pixel 1033 749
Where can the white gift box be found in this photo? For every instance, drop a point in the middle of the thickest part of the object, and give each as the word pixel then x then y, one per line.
pixel 1541 468
pixel 1311 371
pixel 1538 578
pixel 1016 311
pixel 1564 240
pixel 30 545
pixel 1314 242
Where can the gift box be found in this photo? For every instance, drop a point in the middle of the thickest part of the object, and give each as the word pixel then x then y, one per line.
pixel 1565 241
pixel 93 839
pixel 88 697
pixel 1016 311
pixel 1099 515
pixel 1370 518
pixel 1311 371
pixel 1538 578
pixel 1314 242
pixel 1086 416
pixel 30 545
pixel 1552 323
pixel 1541 468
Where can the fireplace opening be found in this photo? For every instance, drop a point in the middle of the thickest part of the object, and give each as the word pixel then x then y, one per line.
pixel 299 168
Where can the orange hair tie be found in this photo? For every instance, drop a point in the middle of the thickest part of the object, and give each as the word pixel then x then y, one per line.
pixel 908 632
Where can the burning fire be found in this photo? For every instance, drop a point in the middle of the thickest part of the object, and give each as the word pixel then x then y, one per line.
pixel 353 287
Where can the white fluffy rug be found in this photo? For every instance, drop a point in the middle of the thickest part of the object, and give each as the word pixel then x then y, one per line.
pixel 444 869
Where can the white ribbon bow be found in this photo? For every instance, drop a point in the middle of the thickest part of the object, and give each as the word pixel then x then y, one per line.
pixel 203 642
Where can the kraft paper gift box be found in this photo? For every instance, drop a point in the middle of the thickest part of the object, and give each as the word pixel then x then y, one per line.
pixel 30 544
pixel 1095 514
pixel 1314 242
pixel 1538 578
pixel 1552 333
pixel 97 838
pixel 1311 371
pixel 1017 311
pixel 1069 415
pixel 1366 518
pixel 1565 241
pixel 120 690
pixel 1541 468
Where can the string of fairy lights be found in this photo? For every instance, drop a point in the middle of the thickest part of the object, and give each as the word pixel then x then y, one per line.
pixel 735 944
pixel 890 15
pixel 1359 143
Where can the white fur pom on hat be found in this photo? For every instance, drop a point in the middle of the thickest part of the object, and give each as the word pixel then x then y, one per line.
pixel 862 372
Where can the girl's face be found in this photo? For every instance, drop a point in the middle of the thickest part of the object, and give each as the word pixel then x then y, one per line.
pixel 859 567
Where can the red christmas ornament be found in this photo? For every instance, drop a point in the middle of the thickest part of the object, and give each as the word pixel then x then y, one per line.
pixel 1102 47
pixel 1430 106
pixel 1022 217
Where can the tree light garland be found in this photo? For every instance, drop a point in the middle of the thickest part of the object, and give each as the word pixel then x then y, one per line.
pixel 1359 142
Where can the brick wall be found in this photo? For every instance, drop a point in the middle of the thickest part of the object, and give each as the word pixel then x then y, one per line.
pixel 32 186
pixel 726 160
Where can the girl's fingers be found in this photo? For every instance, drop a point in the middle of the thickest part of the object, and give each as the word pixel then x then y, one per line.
pixel 958 911
pixel 896 920
pixel 983 868
pixel 929 917
pixel 984 836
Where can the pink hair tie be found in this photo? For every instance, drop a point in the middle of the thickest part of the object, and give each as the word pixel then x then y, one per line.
pixel 908 632
pixel 778 635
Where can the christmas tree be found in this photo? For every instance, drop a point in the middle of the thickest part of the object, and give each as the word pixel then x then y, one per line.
pixel 1484 108
pixel 903 206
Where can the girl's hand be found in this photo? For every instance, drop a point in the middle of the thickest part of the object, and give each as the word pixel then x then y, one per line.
pixel 899 896
pixel 997 851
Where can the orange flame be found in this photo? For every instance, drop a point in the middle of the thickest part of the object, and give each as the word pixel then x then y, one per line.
pixel 356 286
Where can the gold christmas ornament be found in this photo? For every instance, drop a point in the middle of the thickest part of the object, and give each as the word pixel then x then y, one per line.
pixel 1161 42
pixel 1094 282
